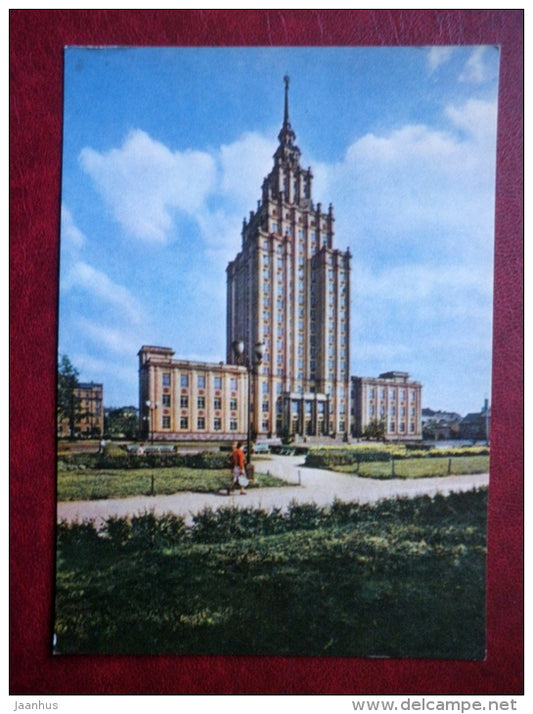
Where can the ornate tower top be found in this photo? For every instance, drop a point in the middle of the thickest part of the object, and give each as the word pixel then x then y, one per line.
pixel 287 149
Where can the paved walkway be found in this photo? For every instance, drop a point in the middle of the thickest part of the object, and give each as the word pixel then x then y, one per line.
pixel 309 486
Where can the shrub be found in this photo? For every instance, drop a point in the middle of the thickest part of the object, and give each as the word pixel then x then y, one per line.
pixel 116 458
pixel 117 530
pixel 149 530
pixel 76 534
pixel 330 457
pixel 305 516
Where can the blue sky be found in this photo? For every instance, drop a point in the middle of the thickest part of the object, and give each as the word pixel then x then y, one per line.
pixel 164 154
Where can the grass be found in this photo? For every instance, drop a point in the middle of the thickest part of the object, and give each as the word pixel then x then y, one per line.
pixel 418 467
pixel 403 578
pixel 93 484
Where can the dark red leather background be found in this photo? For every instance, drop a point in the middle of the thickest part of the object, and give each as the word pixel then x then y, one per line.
pixel 37 38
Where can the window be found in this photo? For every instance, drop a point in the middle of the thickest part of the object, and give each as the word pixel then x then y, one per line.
pixel 184 402
pixel 166 422
pixel 233 425
pixel 166 400
pixel 218 382
pixel 265 406
pixel 184 423
pixel 233 404
pixel 201 403
pixel 201 423
pixel 371 393
pixel 217 424
pixel 217 403
pixel 166 379
pixel 233 384
pixel 201 381
pixel 184 380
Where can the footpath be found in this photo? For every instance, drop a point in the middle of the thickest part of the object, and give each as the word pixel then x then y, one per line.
pixel 306 486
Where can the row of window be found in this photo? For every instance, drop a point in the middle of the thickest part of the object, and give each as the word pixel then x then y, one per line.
pixel 200 402
pixel 401 427
pixel 200 424
pixel 201 381
pixel 392 411
pixel 392 394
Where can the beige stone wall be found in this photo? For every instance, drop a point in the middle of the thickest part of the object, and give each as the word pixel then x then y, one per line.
pixel 398 401
pixel 191 400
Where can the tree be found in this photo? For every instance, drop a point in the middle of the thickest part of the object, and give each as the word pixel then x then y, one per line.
pixel 68 402
pixel 375 429
pixel 122 423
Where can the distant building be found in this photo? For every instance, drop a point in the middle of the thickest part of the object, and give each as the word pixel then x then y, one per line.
pixel 391 400
pixel 476 426
pixel 180 400
pixel 440 425
pixel 89 413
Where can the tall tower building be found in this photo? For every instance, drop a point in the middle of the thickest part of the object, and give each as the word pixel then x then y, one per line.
pixel 289 288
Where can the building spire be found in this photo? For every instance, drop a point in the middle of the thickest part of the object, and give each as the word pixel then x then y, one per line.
pixel 286 122
pixel 286 136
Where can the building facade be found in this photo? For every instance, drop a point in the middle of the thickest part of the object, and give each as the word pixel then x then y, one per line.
pixel 391 402
pixel 181 400
pixel 88 413
pixel 476 425
pixel 289 289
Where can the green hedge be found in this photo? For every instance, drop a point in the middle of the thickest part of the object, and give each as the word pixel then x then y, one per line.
pixel 124 460
pixel 329 457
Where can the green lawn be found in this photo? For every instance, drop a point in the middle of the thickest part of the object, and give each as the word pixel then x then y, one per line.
pixel 91 484
pixel 403 578
pixel 418 467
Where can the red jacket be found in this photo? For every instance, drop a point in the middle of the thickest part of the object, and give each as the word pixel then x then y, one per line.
pixel 237 458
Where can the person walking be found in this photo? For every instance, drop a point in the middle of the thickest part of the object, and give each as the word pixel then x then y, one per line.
pixel 238 472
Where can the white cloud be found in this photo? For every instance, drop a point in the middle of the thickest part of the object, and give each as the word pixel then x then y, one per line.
pixel 438 55
pixel 244 164
pixel 417 184
pixel 82 276
pixel 143 182
pixel 478 118
pixel 475 70
pixel 71 236
pixel 120 341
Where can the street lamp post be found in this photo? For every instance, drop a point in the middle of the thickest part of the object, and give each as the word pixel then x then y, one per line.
pixel 251 362
pixel 152 406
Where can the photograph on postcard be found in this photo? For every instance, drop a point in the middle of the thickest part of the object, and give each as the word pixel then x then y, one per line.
pixel 275 350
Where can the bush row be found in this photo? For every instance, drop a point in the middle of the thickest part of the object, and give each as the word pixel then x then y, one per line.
pixel 328 457
pixel 225 524
pixel 124 460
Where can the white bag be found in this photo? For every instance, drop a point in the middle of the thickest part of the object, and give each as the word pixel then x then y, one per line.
pixel 243 481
